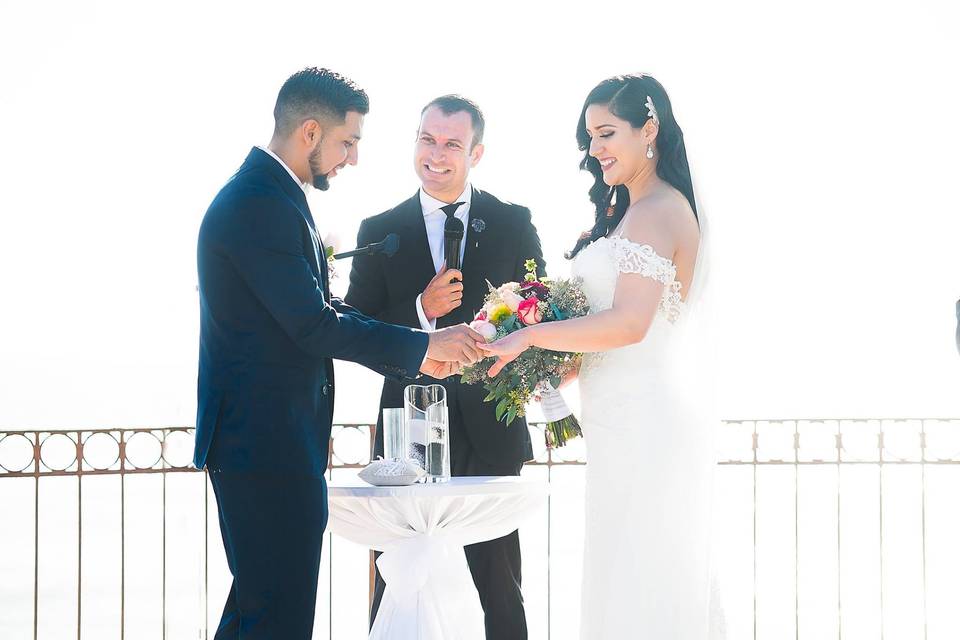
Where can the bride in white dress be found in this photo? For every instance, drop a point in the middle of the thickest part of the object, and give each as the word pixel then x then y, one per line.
pixel 650 454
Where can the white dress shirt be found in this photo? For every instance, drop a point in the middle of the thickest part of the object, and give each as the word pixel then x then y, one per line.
pixel 434 219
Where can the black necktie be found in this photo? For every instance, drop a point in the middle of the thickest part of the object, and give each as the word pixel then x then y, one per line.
pixel 449 210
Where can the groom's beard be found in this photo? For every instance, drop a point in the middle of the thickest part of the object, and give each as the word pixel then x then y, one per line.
pixel 320 180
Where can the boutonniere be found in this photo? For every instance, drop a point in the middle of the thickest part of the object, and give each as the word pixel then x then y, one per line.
pixel 331 269
pixel 330 248
pixel 478 224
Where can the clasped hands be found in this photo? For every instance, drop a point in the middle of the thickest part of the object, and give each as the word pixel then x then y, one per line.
pixel 454 347
pixel 449 349
pixel 461 345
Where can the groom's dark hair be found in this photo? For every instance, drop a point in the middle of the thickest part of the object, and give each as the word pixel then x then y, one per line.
pixel 453 103
pixel 318 94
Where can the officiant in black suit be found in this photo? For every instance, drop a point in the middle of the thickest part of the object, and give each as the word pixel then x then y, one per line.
pixel 414 288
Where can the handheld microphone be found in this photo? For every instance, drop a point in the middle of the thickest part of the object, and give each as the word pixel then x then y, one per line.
pixel 452 235
pixel 388 247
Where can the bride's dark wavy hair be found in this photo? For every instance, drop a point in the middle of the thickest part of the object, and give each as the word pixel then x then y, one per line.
pixel 626 97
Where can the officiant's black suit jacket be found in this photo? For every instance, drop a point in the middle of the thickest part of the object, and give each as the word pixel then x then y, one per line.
pixel 500 238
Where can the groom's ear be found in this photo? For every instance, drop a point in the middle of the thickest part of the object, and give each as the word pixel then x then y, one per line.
pixel 311 131
pixel 475 154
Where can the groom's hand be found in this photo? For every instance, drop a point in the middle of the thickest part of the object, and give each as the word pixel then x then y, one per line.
pixel 439 370
pixel 455 344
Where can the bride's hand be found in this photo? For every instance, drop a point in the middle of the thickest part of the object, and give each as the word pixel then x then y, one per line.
pixel 506 349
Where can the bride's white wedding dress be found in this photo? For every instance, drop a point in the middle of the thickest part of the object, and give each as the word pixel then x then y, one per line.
pixel 650 461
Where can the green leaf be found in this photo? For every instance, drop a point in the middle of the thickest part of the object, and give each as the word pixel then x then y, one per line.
pixel 555 381
pixel 501 408
pixel 511 415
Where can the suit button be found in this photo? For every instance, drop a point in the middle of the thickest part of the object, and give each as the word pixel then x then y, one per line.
pixel 325 389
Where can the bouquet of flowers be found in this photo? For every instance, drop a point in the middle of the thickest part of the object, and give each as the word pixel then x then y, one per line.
pixel 536 373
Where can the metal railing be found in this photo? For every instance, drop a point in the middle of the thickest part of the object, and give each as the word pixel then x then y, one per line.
pixel 37 457
pixel 830 527
pixel 851 527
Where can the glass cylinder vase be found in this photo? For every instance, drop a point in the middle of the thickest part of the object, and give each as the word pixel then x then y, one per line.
pixel 428 429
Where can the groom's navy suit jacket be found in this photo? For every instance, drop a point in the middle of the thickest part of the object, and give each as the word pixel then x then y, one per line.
pixel 268 330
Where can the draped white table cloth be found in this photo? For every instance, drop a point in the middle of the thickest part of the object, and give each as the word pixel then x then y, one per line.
pixel 421 530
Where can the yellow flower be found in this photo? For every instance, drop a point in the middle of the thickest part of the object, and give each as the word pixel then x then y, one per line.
pixel 499 313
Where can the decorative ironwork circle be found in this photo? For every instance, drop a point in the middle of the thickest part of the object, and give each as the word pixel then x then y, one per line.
pixel 58 451
pixel 143 450
pixel 901 440
pixel 942 441
pixel 101 451
pixel 178 449
pixel 351 445
pixel 16 452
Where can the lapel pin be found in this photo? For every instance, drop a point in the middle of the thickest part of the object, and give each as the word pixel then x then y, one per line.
pixel 478 225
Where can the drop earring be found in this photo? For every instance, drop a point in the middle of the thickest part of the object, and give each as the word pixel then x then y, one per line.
pixel 650 151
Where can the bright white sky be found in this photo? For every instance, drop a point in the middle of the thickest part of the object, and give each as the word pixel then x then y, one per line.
pixel 823 139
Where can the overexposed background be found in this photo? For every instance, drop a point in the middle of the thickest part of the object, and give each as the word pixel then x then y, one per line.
pixel 823 141
pixel 822 138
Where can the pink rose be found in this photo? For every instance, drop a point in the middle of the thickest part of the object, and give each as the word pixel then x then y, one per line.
pixel 482 315
pixel 529 311
pixel 484 328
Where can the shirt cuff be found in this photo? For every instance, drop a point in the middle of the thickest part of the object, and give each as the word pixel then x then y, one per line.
pixel 426 325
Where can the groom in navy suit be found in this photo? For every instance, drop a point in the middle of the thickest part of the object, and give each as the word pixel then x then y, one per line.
pixel 268 332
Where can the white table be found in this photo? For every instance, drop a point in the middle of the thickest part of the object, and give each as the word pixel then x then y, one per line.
pixel 421 530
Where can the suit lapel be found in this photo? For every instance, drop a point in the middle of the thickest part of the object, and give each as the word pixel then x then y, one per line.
pixel 415 236
pixel 295 192
pixel 480 243
pixel 319 250
pixel 477 219
pixel 324 265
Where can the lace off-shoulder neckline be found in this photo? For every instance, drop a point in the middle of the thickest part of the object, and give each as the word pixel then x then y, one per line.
pixel 642 258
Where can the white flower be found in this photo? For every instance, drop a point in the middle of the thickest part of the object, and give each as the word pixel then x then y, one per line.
pixel 484 328
pixel 652 111
pixel 511 299
pixel 511 287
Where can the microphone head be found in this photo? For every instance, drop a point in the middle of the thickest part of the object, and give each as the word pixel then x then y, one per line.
pixel 453 228
pixel 390 244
